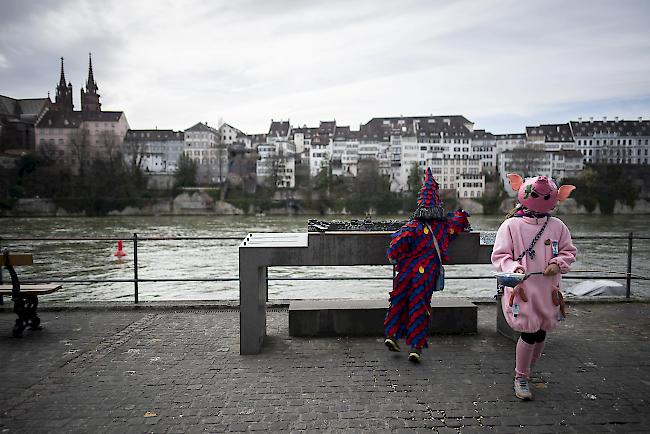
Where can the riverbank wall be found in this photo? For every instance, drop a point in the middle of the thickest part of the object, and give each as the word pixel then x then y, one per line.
pixel 571 207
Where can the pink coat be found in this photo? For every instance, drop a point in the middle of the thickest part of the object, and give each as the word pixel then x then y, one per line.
pixel 513 237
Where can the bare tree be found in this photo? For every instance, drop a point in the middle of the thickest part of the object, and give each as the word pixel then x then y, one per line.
pixel 186 171
pixel 527 160
pixel 134 148
pixel 80 144
pixel 109 144
pixel 414 181
pixel 48 151
pixel 221 152
pixel 272 164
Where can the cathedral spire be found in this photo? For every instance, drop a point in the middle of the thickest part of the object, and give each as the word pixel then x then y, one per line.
pixel 62 79
pixel 89 96
pixel 90 83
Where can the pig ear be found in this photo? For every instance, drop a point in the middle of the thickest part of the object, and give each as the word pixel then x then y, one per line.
pixel 564 192
pixel 515 181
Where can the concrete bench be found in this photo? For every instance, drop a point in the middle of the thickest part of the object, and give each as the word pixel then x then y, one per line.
pixel 366 317
pixel 258 251
pixel 24 296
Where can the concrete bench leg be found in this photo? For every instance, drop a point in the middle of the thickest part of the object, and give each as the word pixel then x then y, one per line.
pixel 253 293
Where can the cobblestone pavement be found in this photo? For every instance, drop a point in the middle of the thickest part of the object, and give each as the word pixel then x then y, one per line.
pixel 180 371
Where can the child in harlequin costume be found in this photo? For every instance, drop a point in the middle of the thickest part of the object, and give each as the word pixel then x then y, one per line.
pixel 413 252
pixel 531 241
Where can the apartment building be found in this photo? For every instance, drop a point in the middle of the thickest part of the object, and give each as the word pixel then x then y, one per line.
pixel 203 145
pixel 613 142
pixel 154 150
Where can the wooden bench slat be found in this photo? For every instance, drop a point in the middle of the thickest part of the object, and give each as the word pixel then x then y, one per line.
pixel 31 289
pixel 18 259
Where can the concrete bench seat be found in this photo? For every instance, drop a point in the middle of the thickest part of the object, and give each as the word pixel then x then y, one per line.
pixel 450 315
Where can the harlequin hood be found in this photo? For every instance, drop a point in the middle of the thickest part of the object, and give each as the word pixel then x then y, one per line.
pixel 538 194
pixel 429 203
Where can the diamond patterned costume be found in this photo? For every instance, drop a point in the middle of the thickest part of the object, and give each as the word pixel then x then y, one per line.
pixel 414 254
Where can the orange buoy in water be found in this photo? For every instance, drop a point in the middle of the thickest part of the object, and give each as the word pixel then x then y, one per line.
pixel 120 253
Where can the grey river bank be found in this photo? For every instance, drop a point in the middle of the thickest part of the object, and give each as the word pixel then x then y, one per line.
pixel 196 259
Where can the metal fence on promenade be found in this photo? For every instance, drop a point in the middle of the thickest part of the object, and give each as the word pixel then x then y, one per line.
pixel 628 276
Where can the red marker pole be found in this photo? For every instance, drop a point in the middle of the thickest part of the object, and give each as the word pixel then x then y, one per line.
pixel 120 253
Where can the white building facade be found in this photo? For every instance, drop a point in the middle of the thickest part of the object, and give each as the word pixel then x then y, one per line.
pixel 613 142
pixel 203 146
pixel 158 150
pixel 276 163
pixel 470 186
pixel 527 162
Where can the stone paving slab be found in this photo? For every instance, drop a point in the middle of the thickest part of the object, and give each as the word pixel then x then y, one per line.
pixel 178 371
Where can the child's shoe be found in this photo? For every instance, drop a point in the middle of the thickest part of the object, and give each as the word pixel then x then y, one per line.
pixel 414 355
pixel 522 390
pixel 391 343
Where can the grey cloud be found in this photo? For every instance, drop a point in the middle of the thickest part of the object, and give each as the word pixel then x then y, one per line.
pixel 32 48
pixel 263 59
pixel 17 11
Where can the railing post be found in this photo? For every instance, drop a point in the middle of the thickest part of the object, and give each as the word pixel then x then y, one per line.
pixel 2 301
pixel 629 265
pixel 135 266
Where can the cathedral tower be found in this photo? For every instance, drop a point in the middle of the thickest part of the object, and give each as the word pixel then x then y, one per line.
pixel 63 99
pixel 90 97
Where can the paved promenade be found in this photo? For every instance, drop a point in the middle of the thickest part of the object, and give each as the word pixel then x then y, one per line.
pixel 180 371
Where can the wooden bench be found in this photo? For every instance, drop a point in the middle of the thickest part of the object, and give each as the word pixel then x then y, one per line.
pixel 24 296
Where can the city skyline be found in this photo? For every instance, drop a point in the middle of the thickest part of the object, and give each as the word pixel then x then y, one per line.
pixel 246 62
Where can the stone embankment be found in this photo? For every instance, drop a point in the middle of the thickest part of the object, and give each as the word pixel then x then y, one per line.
pixel 570 206
pixel 201 203
pixel 196 203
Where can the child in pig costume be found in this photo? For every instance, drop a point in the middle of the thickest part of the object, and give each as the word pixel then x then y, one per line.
pixel 531 241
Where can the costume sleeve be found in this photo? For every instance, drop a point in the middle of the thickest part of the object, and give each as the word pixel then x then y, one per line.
pixel 566 251
pixel 454 225
pixel 457 223
pixel 502 253
pixel 401 244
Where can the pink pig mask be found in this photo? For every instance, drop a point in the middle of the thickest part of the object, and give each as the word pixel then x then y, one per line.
pixel 538 194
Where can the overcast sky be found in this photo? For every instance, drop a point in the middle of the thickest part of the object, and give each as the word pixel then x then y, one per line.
pixel 170 64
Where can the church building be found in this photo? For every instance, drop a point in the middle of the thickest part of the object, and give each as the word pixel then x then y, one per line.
pixel 75 138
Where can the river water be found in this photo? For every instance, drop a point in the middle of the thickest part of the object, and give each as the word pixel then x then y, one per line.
pixel 219 258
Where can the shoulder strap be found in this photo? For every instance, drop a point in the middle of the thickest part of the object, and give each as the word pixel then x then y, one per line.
pixel 435 242
pixel 531 249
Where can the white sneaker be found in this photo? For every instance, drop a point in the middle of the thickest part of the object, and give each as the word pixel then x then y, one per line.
pixel 522 391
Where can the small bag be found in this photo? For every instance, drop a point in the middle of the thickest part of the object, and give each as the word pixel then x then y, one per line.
pixel 440 282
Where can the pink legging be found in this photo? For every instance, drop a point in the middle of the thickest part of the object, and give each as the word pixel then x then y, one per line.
pixel 529 350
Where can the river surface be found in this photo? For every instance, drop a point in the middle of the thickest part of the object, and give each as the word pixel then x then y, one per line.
pixel 219 258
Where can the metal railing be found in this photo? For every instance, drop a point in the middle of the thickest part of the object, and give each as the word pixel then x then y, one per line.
pixel 629 276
